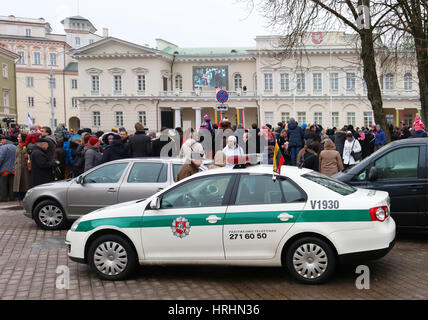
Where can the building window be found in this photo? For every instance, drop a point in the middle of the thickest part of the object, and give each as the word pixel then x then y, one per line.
pixel 301 82
pixel 318 118
pixel 237 80
pixel 6 98
pixel 350 81
pixel 269 118
pixel 364 85
pixel 119 119
pixel 30 82
pixel 141 83
pixel 28 32
pixel 317 78
pixel 368 119
pixel 52 83
pixel 117 85
pixel 285 117
pixel 334 81
pixel 54 102
pixel 285 82
pixel 52 59
pixel 350 116
pixel 178 82
pixel 142 118
pixel 96 119
pixel 73 83
pixel 95 85
pixel 91 41
pixel 37 58
pixel 390 119
pixel 22 59
pixel 31 101
pixel 268 81
pixel 389 81
pixel 408 81
pixel 74 103
pixel 301 117
pixel 335 119
pixel 77 41
pixel 5 69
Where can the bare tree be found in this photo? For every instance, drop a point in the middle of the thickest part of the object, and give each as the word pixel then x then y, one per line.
pixel 296 18
pixel 410 18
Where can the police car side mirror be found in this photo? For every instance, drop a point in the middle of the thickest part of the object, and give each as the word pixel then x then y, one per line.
pixel 155 204
pixel 373 174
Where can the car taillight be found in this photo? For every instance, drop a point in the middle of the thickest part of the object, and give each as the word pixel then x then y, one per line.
pixel 379 214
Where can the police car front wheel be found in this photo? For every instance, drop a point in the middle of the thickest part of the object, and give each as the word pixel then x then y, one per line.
pixel 310 260
pixel 112 257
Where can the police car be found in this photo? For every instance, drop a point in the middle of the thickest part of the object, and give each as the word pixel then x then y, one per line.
pixel 299 219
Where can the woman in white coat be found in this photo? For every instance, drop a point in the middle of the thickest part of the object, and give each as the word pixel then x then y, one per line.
pixel 232 149
pixel 351 145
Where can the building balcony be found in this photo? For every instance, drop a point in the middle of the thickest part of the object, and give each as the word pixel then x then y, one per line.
pixel 205 94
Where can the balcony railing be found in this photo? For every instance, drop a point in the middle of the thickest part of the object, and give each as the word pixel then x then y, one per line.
pixel 206 94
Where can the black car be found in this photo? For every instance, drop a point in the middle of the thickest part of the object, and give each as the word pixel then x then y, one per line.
pixel 400 168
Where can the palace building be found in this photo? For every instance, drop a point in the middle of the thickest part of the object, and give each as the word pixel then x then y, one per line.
pixel 123 83
pixel 103 82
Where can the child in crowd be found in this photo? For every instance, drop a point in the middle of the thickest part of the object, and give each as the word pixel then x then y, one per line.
pixel 33 136
pixel 419 128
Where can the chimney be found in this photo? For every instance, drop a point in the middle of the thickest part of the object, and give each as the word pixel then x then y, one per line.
pixel 105 32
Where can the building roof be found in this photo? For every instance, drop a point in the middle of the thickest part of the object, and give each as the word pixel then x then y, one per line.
pixel 9 53
pixel 209 51
pixel 72 66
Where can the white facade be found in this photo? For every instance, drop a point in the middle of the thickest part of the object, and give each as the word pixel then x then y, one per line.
pixel 325 86
pixel 43 52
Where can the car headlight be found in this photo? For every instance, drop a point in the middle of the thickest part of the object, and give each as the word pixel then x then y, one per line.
pixel 75 224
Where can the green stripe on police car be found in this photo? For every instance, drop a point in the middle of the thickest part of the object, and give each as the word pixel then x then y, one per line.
pixel 239 218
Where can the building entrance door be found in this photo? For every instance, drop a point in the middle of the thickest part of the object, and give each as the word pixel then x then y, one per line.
pixel 167 119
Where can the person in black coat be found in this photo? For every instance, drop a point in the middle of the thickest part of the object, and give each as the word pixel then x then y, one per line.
pixel 339 140
pixel 42 166
pixel 139 145
pixel 116 151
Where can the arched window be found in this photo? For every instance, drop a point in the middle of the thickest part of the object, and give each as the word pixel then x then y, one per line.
pixel 389 81
pixel 237 79
pixel 178 82
pixel 408 81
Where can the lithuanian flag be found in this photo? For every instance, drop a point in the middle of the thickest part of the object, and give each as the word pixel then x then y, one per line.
pixel 278 159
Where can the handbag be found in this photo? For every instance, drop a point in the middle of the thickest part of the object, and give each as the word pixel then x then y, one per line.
pixel 358 156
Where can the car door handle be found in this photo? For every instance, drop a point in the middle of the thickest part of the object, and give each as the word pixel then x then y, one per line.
pixel 416 187
pixel 111 190
pixel 213 219
pixel 285 217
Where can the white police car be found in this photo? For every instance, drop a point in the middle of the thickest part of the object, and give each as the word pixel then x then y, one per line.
pixel 301 220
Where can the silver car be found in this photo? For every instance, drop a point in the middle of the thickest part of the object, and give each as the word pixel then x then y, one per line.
pixel 53 205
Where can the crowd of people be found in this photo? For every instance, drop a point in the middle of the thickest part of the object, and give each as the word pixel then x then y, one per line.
pixel 29 159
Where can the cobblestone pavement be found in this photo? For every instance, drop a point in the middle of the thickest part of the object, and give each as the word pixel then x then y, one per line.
pixel 29 258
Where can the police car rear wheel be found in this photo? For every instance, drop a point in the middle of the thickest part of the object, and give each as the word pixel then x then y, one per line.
pixel 310 260
pixel 111 257
pixel 49 216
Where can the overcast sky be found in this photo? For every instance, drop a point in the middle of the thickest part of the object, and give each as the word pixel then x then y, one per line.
pixel 187 23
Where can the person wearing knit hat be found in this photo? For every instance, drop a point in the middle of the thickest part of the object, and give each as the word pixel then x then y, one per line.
pixel 92 152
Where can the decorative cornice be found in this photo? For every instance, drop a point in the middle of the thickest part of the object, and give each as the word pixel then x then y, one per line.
pixel 116 71
pixel 94 71
pixel 140 70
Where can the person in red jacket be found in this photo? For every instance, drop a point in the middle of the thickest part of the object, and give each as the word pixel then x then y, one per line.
pixel 33 136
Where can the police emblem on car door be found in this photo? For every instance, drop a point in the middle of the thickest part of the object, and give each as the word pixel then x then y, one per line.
pixel 180 227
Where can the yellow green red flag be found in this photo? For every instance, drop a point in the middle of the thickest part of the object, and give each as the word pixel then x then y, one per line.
pixel 278 159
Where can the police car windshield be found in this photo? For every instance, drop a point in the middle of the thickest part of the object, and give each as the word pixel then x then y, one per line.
pixel 332 184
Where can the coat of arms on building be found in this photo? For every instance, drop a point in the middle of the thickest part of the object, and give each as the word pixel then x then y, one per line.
pixel 317 37
pixel 180 227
